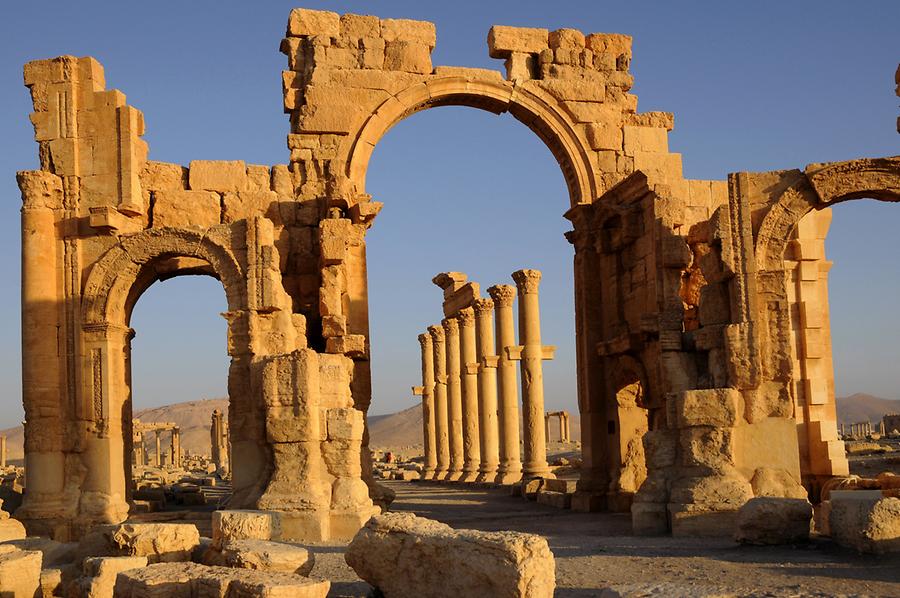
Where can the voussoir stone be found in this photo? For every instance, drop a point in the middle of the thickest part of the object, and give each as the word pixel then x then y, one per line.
pixel 187 580
pixel 772 520
pixel 404 555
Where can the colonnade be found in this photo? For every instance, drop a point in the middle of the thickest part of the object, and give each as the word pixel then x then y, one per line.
pixel 565 430
pixel 470 401
pixel 139 456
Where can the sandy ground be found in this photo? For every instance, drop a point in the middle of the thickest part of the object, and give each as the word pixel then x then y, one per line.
pixel 596 556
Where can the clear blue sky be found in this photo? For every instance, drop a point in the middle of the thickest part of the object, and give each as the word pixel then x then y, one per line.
pixel 754 86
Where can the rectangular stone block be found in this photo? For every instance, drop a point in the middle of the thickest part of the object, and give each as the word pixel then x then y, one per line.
pixel 711 407
pixel 559 500
pixel 186 209
pixel 421 32
pixel 645 139
pixel 503 40
pixel 408 57
pixel 217 175
pixel 228 526
pixel 816 391
pixel 304 21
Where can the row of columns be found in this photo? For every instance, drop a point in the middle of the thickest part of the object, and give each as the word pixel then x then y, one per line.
pixel 139 456
pixel 469 395
pixel 863 429
pixel 565 431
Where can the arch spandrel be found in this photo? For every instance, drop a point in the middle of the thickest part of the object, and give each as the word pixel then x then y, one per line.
pixel 533 108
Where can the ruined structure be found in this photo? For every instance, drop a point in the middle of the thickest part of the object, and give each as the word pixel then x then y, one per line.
pixel 565 431
pixel 220 445
pixel 702 321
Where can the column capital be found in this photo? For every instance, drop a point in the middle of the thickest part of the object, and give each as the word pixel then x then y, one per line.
pixel 466 316
pixel 502 294
pixel 483 306
pixel 436 333
pixel 418 391
pixel 451 326
pixel 527 281
pixel 425 340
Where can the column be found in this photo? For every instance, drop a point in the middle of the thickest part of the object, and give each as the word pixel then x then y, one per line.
pixel 428 423
pixel 3 451
pixel 176 447
pixel 158 451
pixel 510 469
pixel 469 388
pixel 441 424
pixel 568 427
pixel 454 398
pixel 487 390
pixel 531 367
pixel 881 429
pixel 215 435
pixel 547 426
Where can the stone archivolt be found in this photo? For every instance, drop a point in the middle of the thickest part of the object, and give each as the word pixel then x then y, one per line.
pixel 689 280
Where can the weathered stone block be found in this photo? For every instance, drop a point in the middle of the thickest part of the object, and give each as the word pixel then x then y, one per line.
pixel 20 573
pixel 421 32
pixel 711 407
pixel 503 40
pixel 405 555
pixel 159 542
pixel 217 175
pixel 359 26
pixel 231 526
pixel 186 209
pixel 304 21
pixel 408 57
pixel 265 555
pixel 865 521
pixel 11 529
pixel 768 520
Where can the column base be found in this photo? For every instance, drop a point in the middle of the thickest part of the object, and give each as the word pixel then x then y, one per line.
pixel 508 478
pixel 486 476
pixel 452 476
pixel 690 520
pixel 439 474
pixel 428 474
pixel 588 502
pixel 469 477
pixel 649 519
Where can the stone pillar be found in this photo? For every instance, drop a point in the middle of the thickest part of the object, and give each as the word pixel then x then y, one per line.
pixel 3 451
pixel 454 399
pixel 487 390
pixel 176 447
pixel 441 422
pixel 567 427
pixel 428 420
pixel 158 456
pixel 216 433
pixel 881 429
pixel 469 386
pixel 547 426
pixel 531 365
pixel 510 469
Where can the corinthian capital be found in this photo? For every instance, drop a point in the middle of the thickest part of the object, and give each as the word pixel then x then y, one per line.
pixel 425 341
pixel 437 333
pixel 483 306
pixel 466 316
pixel 451 326
pixel 502 294
pixel 527 281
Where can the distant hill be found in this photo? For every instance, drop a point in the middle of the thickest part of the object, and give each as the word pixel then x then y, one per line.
pixel 861 407
pixel 404 428
pixel 193 418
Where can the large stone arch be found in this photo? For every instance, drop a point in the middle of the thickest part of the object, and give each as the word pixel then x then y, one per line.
pixel 535 109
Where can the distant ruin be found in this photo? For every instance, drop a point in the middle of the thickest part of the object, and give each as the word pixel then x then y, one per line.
pixel 702 321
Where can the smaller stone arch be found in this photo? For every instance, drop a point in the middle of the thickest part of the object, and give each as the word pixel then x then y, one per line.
pixel 126 270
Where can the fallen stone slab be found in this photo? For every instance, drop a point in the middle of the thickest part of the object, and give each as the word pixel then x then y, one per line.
pixel 159 542
pixel 187 580
pixel 769 520
pixel 11 529
pixel 404 555
pixel 865 520
pixel 100 574
pixel 55 580
pixel 263 555
pixel 230 526
pixel 54 553
pixel 20 574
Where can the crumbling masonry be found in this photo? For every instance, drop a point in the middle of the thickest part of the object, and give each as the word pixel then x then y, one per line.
pixel 702 320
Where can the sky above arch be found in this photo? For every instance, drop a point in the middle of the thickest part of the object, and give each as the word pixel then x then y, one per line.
pixel 756 86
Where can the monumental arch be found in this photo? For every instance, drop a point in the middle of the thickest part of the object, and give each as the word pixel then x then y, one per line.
pixel 689 396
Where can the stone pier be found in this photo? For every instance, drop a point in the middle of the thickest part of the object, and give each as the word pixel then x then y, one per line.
pixel 510 469
pixel 531 364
